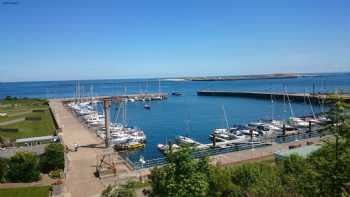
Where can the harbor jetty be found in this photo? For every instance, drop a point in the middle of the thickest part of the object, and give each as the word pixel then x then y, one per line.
pixel 296 97
pixel 132 97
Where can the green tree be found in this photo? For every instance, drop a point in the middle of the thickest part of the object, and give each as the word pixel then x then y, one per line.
pixel 182 176
pixel 23 167
pixel 257 179
pixel 53 158
pixel 334 156
pixel 333 173
pixel 3 169
pixel 4 141
pixel 299 177
pixel 220 183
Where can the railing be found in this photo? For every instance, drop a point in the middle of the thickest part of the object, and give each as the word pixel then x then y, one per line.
pixel 222 150
pixel 196 154
pixel 296 137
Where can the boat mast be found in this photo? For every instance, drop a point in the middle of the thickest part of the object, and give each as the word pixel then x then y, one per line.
pixel 76 91
pixel 79 92
pixel 272 107
pixel 312 108
pixel 125 120
pixel 223 109
pixel 91 93
pixel 290 104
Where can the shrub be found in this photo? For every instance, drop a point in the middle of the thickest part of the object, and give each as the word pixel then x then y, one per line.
pixel 23 167
pixel 3 169
pixel 53 158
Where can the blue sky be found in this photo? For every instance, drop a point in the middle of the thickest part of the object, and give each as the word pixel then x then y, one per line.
pixel 64 39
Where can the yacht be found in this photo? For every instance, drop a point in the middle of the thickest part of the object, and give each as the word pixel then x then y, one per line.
pixel 186 140
pixel 298 122
pixel 165 148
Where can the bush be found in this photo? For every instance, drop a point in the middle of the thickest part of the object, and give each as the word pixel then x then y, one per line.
pixel 10 98
pixel 126 190
pixel 53 158
pixel 3 169
pixel 23 167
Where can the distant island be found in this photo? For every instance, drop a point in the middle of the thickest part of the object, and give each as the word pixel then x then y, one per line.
pixel 242 77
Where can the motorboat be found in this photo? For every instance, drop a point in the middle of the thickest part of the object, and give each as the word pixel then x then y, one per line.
pixel 176 94
pixel 298 122
pixel 165 148
pixel 129 145
pixel 146 106
pixel 186 140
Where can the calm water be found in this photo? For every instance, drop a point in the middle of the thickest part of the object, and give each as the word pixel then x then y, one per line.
pixel 189 114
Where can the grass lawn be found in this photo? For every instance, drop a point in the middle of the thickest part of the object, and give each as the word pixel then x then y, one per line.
pixel 25 192
pixel 28 128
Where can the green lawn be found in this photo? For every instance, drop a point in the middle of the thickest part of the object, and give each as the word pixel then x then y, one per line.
pixel 27 128
pixel 25 192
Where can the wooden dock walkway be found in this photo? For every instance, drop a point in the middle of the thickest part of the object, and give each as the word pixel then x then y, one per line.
pixel 296 97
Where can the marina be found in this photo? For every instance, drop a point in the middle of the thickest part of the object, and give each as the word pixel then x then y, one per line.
pixel 120 137
pixel 167 119
pixel 174 99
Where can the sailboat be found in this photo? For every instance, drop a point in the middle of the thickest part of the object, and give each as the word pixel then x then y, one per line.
pixel 225 133
pixel 159 97
pixel 298 122
pixel 123 134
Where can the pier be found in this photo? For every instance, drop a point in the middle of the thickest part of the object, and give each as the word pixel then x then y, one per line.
pixel 296 97
pixel 80 166
pixel 136 97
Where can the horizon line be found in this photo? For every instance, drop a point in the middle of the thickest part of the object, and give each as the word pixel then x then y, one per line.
pixel 177 77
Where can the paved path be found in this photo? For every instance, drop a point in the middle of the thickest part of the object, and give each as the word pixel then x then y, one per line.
pixel 11 151
pixel 80 179
pixel 12 121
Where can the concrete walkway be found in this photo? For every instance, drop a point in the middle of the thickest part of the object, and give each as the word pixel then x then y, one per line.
pixel 80 178
pixel 11 151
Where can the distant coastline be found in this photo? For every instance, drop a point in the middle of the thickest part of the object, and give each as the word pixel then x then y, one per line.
pixel 244 77
pixel 196 78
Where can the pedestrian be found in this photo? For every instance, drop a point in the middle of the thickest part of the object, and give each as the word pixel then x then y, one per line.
pixel 76 147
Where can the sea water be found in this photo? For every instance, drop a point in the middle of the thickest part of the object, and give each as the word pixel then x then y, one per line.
pixel 190 115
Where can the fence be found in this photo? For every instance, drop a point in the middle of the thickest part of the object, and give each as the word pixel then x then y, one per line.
pixel 222 150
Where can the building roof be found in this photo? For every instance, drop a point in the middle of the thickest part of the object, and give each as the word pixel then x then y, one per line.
pixel 302 151
pixel 36 139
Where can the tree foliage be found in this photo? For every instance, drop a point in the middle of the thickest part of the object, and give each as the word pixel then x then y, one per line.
pixel 127 190
pixel 3 169
pixel 183 176
pixel 53 158
pixel 23 167
pixel 299 177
